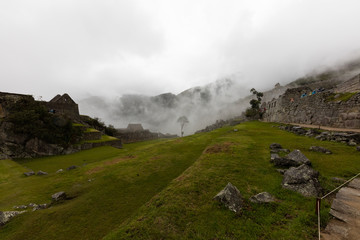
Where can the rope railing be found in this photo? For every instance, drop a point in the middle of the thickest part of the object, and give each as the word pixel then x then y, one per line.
pixel 318 201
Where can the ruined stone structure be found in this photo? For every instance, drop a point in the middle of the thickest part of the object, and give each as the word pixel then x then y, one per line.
pixel 351 85
pixel 63 105
pixel 7 99
pixel 315 109
pixel 135 133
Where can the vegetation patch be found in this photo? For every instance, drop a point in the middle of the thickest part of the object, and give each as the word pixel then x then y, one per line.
pixel 344 97
pixel 219 148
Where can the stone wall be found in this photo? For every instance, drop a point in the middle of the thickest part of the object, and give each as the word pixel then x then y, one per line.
pixel 129 137
pixel 315 109
pixel 352 85
pixel 71 110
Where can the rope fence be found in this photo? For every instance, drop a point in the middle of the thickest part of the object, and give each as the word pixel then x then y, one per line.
pixel 318 200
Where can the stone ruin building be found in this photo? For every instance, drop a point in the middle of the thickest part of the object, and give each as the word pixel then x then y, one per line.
pixel 318 108
pixel 135 133
pixel 63 104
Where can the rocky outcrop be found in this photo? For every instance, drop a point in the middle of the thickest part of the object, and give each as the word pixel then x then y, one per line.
pixel 302 179
pixel 230 196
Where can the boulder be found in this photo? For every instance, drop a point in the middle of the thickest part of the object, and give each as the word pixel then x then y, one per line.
pixel 230 196
pixel 275 146
pixel 358 148
pixel 6 216
pixel 298 157
pixel 72 167
pixel 56 197
pixel 263 197
pixel 273 156
pixel 320 149
pixel 281 171
pixel 302 179
pixel 39 173
pixel 28 174
pixel 352 143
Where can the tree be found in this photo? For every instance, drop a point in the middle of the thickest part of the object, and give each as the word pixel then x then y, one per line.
pixel 254 111
pixel 182 120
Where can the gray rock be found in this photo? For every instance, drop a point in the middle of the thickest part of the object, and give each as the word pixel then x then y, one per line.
pixel 236 130
pixel 352 143
pixel 320 149
pixel 273 156
pixel 40 206
pixel 358 148
pixel 28 174
pixel 39 173
pixel 281 171
pixel 298 157
pixel 58 196
pixel 32 205
pixel 263 197
pixel 302 179
pixel 72 167
pixel 20 207
pixel 6 216
pixel 279 150
pixel 230 196
pixel 275 146
pixel 59 171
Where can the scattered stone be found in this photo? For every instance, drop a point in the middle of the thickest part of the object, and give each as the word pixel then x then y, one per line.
pixel 59 171
pixel 352 143
pixel 6 216
pixel 281 171
pixel 298 157
pixel 302 179
pixel 263 197
pixel 58 196
pixel 236 130
pixel 32 205
pixel 39 173
pixel 41 206
pixel 20 207
pixel 275 146
pixel 72 167
pixel 273 156
pixel 320 149
pixel 358 148
pixel 230 196
pixel 28 174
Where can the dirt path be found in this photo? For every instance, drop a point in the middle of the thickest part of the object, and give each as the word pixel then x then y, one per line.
pixel 346 211
pixel 327 128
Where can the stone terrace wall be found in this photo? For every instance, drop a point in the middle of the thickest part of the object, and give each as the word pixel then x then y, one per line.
pixel 129 137
pixel 352 85
pixel 314 109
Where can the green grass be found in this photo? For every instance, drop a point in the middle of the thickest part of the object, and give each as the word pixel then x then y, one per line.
pixel 91 130
pixel 104 138
pixel 163 189
pixel 344 97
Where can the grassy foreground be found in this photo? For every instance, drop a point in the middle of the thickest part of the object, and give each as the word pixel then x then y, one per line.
pixel 163 189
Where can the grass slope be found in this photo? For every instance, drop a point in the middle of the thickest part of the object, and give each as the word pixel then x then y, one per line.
pixel 163 189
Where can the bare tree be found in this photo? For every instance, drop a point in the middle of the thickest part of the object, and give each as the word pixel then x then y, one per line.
pixel 182 120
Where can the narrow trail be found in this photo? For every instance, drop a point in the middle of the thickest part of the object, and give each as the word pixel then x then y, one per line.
pixel 346 212
pixel 327 128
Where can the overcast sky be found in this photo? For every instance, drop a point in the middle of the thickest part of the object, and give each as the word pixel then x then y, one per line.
pixel 114 47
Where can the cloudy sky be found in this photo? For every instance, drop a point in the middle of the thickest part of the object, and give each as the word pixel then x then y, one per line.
pixel 115 47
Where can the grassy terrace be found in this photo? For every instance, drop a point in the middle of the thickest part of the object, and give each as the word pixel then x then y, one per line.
pixel 163 189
